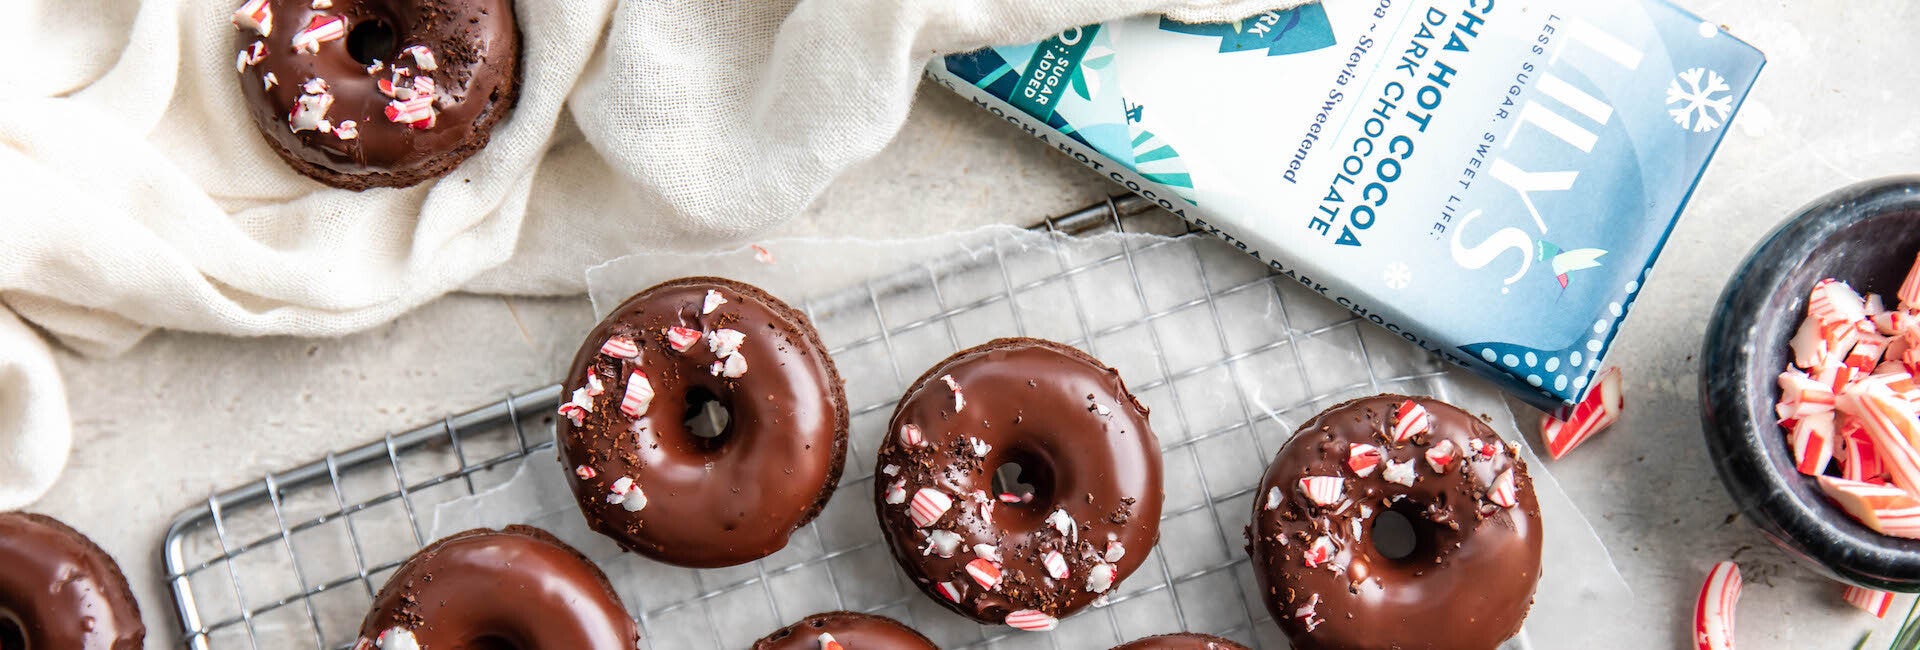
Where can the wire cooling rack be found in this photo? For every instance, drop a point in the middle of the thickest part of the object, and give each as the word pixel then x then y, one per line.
pixel 293 559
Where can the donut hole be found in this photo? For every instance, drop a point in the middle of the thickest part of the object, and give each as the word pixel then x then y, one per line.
pixel 372 40
pixel 1393 535
pixel 492 643
pixel 1023 477
pixel 12 637
pixel 707 419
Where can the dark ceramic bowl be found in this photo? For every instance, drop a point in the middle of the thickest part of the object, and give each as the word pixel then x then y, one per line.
pixel 1866 235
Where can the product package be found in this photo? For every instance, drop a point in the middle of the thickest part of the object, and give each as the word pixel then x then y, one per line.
pixel 1488 179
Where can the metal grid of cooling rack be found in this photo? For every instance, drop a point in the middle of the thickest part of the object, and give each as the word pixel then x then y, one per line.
pixel 293 559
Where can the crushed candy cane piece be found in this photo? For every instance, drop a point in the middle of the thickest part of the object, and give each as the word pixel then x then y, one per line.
pixel 682 339
pixel 1871 601
pixel 1410 420
pixel 398 638
pixel 828 643
pixel 1274 497
pixel 897 493
pixel 584 472
pixel 1400 472
pixel 987 551
pixel 1100 578
pixel 310 109
pixel 890 469
pixel 626 494
pixel 959 401
pixel 1309 612
pixel 1115 551
pixel 761 254
pixel 347 130
pixel 250 55
pixel 984 572
pixel 256 15
pixel 1063 522
pixel 413 111
pixel 1713 612
pixel 942 542
pixel 1503 493
pixel 1862 463
pixel 639 395
pixel 1363 459
pixel 723 342
pixel 713 301
pixel 1320 552
pixel 1812 443
pixel 731 367
pixel 620 347
pixel 323 28
pixel 980 447
pixel 1890 425
pixel 1441 455
pixel 577 409
pixel 949 591
pixel 1056 564
pixel 594 385
pixel 1909 293
pixel 910 435
pixel 928 505
pixel 1598 410
pixel 268 81
pixel 1321 490
pixel 1031 620
pixel 422 57
pixel 1884 508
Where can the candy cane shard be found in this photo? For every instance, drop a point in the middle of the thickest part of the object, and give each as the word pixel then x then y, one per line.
pixel 1410 420
pixel 1322 490
pixel 984 572
pixel 1031 620
pixel 1362 460
pixel 1595 412
pixel 1909 293
pixel 928 505
pixel 1884 508
pixel 1812 443
pixel 1801 394
pixel 1860 462
pixel 1871 601
pixel 321 29
pixel 1713 612
pixel 1891 428
pixel 682 339
pixel 620 347
pixel 256 15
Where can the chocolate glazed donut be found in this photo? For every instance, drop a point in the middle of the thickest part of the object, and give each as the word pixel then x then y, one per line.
pixel 646 479
pixel 1181 641
pixel 1080 439
pixel 1467 581
pixel 518 587
pixel 376 93
pixel 851 630
pixel 58 591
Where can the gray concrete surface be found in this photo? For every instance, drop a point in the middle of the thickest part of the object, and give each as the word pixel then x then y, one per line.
pixel 183 415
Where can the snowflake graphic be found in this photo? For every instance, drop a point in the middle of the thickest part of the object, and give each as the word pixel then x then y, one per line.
pixel 1398 276
pixel 1700 99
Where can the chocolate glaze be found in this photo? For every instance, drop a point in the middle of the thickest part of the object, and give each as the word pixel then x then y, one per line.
pixel 710 502
pixel 516 587
pixel 853 630
pixel 1181 641
pixel 1080 438
pixel 60 591
pixel 1469 581
pixel 475 44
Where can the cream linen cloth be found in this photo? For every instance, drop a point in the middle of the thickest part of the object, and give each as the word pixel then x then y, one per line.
pixel 137 194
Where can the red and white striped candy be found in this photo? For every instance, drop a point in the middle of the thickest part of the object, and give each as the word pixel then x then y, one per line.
pixel 250 55
pixel 1056 564
pixel 897 493
pixel 1809 349
pixel 984 572
pixel 928 504
pixel 1595 412
pixel 347 130
pixel 584 472
pixel 910 435
pixel 422 57
pixel 722 342
pixel 1713 612
pixel 1100 578
pixel 1867 351
pixel 959 401
pixel 1322 490
pixel 1909 293
pixel 1861 462
pixel 594 387
pixel 1319 552
pixel 1884 508
pixel 620 347
pixel 682 339
pixel 321 29
pixel 1115 551
pixel 1801 394
pixel 256 15
pixel 1032 620
pixel 639 396
pixel 948 590
pixel 410 111
pixel 1441 455
pixel 1834 302
pixel 1502 493
pixel 827 642
pixel 1890 425
pixel 1363 459
pixel 761 254
pixel 713 301
pixel 731 367
pixel 1009 497
pixel 1811 441
pixel 1410 420
pixel 1871 601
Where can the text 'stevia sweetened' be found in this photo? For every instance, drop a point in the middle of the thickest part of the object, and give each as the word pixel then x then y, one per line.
pixel 1489 180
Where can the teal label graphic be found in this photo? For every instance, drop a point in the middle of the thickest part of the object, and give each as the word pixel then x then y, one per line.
pixel 1302 29
pixel 1050 70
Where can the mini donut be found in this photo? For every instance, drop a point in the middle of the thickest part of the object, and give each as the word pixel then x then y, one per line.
pixel 59 591
pixel 1181 641
pixel 376 93
pixel 643 477
pixel 1081 440
pixel 850 630
pixel 1468 579
pixel 517 587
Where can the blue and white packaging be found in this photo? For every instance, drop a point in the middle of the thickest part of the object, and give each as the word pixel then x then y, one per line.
pixel 1488 179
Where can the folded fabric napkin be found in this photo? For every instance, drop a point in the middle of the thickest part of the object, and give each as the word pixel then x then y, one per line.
pixel 141 197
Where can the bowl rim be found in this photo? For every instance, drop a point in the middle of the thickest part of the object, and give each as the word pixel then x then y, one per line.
pixel 1733 432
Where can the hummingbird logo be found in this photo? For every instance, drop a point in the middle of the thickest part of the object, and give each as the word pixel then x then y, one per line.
pixel 1567 261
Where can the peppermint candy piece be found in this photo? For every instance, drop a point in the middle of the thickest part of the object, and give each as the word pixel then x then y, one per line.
pixel 928 505
pixel 724 342
pixel 256 15
pixel 1063 522
pixel 1362 460
pixel 682 339
pixel 346 130
pixel 1887 509
pixel 761 254
pixel 959 401
pixel 1401 473
pixel 1056 564
pixel 416 111
pixel 576 410
pixel 890 469
pixel 987 551
pixel 980 447
pixel 1604 402
pixel 310 109
pixel 397 638
pixel 268 81
pixel 1321 490
pixel 731 367
pixel 910 435
pixel 620 347
pixel 1441 455
pixel 626 494
pixel 985 572
pixel 594 386
pixel 1410 420
pixel 1871 601
pixel 639 395
pixel 1274 497
pixel 714 301
pixel 1100 578
pixel 1032 620
pixel 321 29
pixel 1115 551
pixel 897 493
pixel 1713 611
pixel 250 55
pixel 584 472
pixel 948 590
pixel 1320 552
pixel 422 57
pixel 943 543
pixel 1503 493
pixel 1308 613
